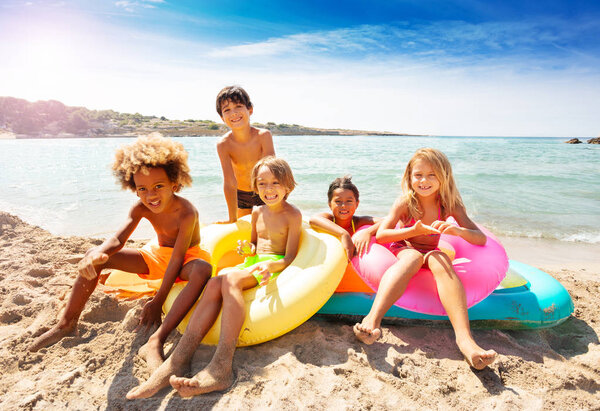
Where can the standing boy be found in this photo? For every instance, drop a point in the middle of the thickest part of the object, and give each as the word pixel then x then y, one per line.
pixel 239 150
pixel 155 168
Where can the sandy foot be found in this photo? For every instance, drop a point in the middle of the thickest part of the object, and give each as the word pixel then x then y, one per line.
pixel 152 353
pixel 202 383
pixel 52 336
pixel 366 334
pixel 157 381
pixel 476 356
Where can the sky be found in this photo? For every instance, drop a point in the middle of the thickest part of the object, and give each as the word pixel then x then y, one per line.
pixel 472 68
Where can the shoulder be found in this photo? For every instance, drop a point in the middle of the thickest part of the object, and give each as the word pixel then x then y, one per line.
pixel 187 208
pixel 363 220
pixel 139 210
pixel 325 215
pixel 400 204
pixel 293 214
pixel 225 140
pixel 262 133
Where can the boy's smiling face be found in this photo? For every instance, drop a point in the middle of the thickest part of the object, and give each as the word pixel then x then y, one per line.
pixel 154 189
pixel 270 189
pixel 235 115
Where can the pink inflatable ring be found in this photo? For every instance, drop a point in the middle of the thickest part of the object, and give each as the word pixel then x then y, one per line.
pixel 480 268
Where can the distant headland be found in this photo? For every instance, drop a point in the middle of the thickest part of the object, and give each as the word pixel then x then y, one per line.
pixel 52 119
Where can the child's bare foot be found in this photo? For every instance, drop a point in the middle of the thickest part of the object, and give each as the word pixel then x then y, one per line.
pixel 208 380
pixel 367 331
pixel 476 356
pixel 152 353
pixel 52 336
pixel 158 380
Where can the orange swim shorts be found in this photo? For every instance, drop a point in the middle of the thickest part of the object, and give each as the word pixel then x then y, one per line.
pixel 157 259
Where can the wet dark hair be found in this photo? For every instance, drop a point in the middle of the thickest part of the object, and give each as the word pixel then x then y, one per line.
pixel 345 183
pixel 235 94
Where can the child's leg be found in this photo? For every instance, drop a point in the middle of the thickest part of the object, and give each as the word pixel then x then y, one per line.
pixel 127 259
pixel 392 286
pixel 202 319
pixel 453 298
pixel 218 374
pixel 197 273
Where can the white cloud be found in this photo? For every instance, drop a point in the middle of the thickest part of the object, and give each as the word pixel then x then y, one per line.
pixel 314 79
pixel 132 6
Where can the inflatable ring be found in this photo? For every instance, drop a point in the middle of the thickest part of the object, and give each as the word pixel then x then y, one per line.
pixel 285 302
pixel 480 269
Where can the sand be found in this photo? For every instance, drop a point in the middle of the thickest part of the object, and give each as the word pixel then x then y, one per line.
pixel 319 365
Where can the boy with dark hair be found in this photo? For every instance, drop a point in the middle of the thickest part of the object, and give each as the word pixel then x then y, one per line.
pixel 239 150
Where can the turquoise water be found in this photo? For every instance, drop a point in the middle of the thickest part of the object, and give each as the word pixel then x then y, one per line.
pixel 529 187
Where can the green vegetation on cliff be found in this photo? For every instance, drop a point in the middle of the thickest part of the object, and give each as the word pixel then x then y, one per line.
pixel 49 119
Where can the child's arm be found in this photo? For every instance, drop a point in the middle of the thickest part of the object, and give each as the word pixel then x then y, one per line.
pixel 152 309
pixel 244 247
pixel 291 250
pixel 362 238
pixel 387 231
pixel 97 256
pixel 467 229
pixel 267 143
pixel 323 221
pixel 229 182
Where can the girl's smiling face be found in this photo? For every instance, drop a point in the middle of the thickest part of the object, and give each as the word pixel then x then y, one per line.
pixel 423 180
pixel 343 204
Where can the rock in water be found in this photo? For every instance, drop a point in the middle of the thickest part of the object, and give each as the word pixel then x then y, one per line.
pixel 594 140
pixel 573 141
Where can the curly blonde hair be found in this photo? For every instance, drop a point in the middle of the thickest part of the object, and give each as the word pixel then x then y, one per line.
pixel 152 151
pixel 448 194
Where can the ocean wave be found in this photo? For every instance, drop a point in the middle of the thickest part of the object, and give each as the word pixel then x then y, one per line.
pixel 592 238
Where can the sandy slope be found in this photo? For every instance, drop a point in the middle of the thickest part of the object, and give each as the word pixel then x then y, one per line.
pixel 318 365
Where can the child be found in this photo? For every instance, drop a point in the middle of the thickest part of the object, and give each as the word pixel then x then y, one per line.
pixel 343 201
pixel 430 197
pixel 239 150
pixel 275 237
pixel 155 168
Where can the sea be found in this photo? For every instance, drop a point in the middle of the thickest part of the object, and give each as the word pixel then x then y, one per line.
pixel 516 187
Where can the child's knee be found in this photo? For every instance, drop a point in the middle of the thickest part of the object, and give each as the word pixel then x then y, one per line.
pixel 439 263
pixel 200 271
pixel 213 288
pixel 232 281
pixel 411 257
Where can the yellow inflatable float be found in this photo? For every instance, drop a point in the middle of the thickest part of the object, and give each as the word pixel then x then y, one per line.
pixel 285 302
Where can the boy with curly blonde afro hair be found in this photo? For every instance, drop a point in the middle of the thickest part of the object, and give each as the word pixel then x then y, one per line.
pixel 155 168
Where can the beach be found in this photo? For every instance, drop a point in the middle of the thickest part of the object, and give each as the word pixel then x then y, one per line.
pixel 319 365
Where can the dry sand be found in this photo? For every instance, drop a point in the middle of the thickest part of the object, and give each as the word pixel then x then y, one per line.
pixel 319 365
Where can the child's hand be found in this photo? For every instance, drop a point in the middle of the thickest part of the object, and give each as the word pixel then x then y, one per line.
pixel 361 241
pixel 445 227
pixel 348 245
pixel 423 229
pixel 262 272
pixel 87 265
pixel 245 248
pixel 150 316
